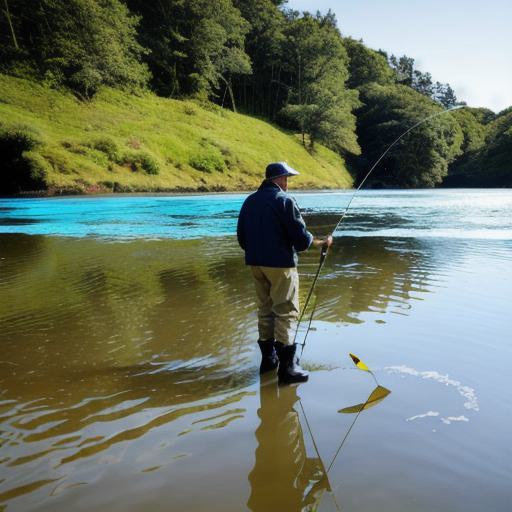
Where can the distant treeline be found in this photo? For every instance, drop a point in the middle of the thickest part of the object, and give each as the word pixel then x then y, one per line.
pixel 263 59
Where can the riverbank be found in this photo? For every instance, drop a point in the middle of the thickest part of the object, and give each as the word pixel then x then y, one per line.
pixel 55 144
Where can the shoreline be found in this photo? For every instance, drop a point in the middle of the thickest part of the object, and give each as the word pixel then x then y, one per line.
pixel 44 195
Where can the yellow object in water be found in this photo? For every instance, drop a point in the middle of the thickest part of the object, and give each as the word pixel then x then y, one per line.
pixel 377 395
pixel 359 363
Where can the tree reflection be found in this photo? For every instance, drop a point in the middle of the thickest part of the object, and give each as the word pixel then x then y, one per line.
pixel 368 274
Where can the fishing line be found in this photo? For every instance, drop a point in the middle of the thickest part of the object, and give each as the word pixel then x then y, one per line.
pixel 325 249
pixel 326 473
pixel 346 435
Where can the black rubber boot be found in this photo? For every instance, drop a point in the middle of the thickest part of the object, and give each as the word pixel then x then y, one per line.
pixel 289 370
pixel 269 360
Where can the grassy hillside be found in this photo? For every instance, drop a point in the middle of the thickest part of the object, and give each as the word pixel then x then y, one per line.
pixel 124 143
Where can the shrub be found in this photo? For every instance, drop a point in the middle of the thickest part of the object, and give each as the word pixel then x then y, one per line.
pixel 189 109
pixel 87 150
pixel 21 170
pixel 74 147
pixel 141 161
pixel 17 138
pixel 109 147
pixel 205 104
pixel 38 169
pixel 207 160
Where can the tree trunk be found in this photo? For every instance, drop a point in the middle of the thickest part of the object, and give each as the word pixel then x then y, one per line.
pixel 274 113
pixel 232 96
pixel 230 90
pixel 9 20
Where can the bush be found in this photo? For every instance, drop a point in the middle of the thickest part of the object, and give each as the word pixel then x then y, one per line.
pixel 208 160
pixel 205 104
pixel 16 139
pixel 109 147
pixel 38 169
pixel 141 161
pixel 21 170
pixel 89 151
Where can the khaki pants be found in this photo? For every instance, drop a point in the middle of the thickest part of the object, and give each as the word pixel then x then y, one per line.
pixel 277 294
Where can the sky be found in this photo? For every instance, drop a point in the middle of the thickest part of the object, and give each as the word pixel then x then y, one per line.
pixel 467 44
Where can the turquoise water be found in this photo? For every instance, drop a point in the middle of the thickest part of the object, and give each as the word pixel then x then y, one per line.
pixel 424 213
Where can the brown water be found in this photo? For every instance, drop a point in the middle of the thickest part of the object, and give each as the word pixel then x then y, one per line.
pixel 129 378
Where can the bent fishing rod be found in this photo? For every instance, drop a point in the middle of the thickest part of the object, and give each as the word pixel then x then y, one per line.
pixel 325 248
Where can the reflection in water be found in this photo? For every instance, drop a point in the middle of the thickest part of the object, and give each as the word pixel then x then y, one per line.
pixel 283 477
pixel 365 275
pixel 146 398
pixel 104 342
pixel 376 396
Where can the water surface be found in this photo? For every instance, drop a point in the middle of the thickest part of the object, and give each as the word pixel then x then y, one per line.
pixel 129 367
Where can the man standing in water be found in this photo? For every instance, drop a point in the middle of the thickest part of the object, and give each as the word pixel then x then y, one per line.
pixel 271 231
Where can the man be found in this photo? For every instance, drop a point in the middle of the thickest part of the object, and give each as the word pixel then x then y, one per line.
pixel 271 231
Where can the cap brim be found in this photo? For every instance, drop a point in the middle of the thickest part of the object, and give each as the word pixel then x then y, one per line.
pixel 290 171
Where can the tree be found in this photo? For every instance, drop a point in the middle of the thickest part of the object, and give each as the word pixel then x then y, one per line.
pixel 483 115
pixel 83 44
pixel 263 92
pixel 403 68
pixel 217 47
pixel 422 82
pixel 163 30
pixel 445 95
pixel 406 74
pixel 319 104
pixel 421 158
pixel 366 65
pixel 197 46
pixel 486 163
pixel 8 18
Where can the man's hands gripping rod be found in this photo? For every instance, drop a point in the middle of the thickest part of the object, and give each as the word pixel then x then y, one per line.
pixel 325 243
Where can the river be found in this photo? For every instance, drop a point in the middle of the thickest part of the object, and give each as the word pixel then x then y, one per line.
pixel 129 365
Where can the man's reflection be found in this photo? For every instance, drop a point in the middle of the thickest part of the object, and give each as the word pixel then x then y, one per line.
pixel 284 478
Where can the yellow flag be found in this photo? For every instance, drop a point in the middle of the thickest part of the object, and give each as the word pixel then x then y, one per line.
pixel 359 363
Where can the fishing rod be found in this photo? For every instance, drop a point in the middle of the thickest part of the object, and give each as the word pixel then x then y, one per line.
pixel 325 248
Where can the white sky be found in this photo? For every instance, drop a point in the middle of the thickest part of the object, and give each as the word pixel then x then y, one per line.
pixel 465 43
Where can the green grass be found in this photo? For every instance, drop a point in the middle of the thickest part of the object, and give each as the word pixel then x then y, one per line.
pixel 124 143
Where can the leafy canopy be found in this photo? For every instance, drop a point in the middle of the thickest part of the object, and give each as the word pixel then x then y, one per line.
pixel 319 104
pixel 421 158
pixel 82 44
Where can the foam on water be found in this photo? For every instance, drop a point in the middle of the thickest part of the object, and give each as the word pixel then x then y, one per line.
pixel 469 395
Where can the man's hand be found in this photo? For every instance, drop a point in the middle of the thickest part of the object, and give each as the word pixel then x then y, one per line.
pixel 324 242
pixel 328 241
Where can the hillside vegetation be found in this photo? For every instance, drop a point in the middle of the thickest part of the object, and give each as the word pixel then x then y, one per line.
pixel 117 142
pixel 293 69
pixel 487 159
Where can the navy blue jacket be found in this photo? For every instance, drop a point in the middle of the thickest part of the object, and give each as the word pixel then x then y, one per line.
pixel 270 228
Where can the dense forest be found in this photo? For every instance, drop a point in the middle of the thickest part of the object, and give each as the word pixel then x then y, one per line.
pixel 258 57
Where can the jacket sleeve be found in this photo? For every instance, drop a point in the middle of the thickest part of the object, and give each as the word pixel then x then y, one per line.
pixel 240 232
pixel 299 236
